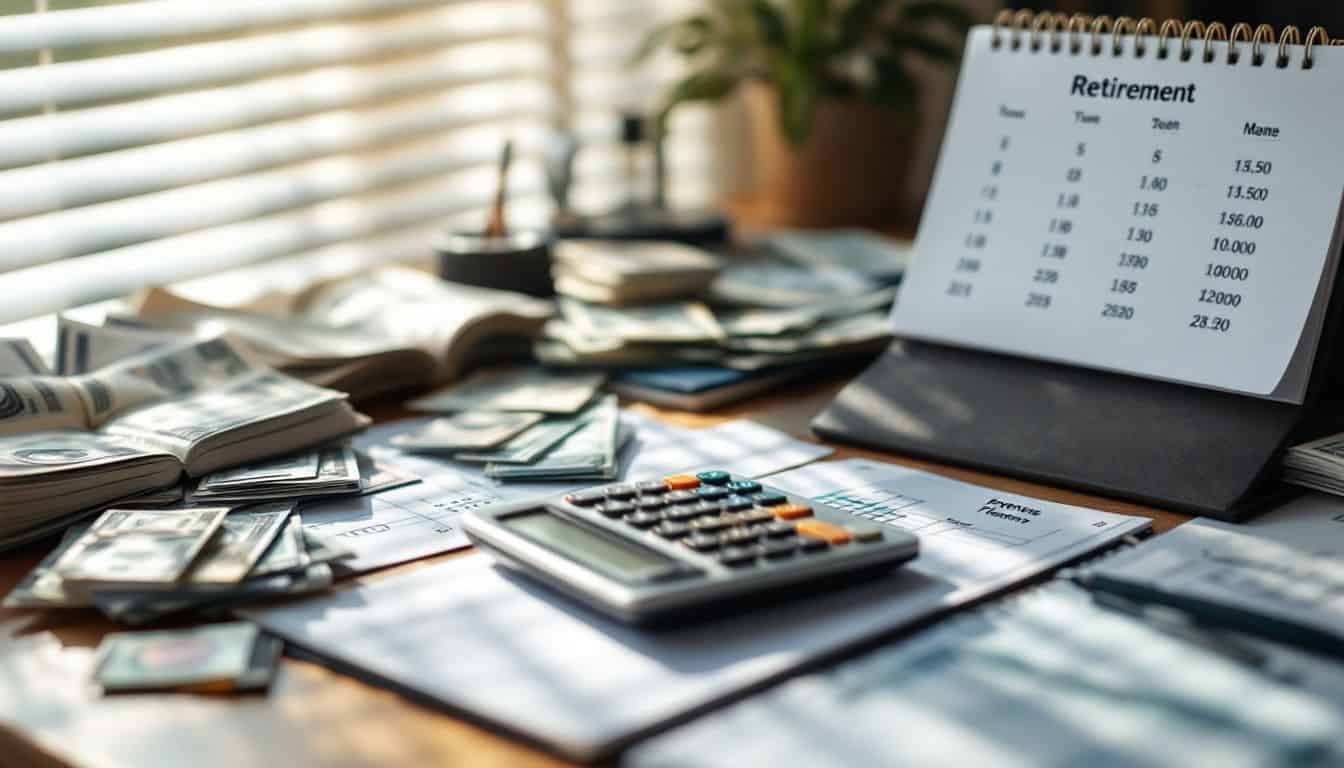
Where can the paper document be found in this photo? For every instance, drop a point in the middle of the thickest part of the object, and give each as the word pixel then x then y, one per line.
pixel 1048 679
pixel 418 521
pixel 541 665
pixel 1281 574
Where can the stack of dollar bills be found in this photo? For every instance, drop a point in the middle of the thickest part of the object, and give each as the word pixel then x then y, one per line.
pixel 524 423
pixel 756 314
pixel 138 565
pixel 220 658
pixel 1318 464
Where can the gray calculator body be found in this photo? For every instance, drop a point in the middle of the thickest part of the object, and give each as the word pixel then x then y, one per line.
pixel 650 555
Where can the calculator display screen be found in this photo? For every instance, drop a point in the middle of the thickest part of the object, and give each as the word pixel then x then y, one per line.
pixel 608 555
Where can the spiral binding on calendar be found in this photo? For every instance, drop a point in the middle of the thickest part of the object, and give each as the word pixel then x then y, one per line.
pixel 1081 34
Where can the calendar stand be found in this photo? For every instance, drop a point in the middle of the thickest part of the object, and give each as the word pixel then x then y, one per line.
pixel 1185 448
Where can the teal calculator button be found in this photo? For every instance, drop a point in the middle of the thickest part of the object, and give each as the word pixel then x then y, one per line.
pixel 714 477
pixel 744 486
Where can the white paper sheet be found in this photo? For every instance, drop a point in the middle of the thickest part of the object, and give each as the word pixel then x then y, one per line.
pixel 421 520
pixel 508 650
pixel 1112 228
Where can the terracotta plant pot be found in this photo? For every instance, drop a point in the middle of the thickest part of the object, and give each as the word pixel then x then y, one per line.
pixel 851 170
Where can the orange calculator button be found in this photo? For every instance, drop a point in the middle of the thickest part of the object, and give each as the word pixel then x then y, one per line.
pixel 827 532
pixel 791 511
pixel 682 482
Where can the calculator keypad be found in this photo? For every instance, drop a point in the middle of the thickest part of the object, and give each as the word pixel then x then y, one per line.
pixel 739 522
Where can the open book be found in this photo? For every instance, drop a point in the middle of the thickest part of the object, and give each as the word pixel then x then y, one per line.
pixel 390 329
pixel 73 443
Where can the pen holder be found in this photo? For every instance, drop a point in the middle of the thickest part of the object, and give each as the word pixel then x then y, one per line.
pixel 519 261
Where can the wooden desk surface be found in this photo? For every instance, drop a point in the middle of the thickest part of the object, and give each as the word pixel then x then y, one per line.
pixel 51 715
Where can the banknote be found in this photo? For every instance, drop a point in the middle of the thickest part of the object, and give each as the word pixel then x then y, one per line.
pixel 467 431
pixel 589 452
pixel 38 403
pixel 143 606
pixel 515 388
pixel 82 347
pixel 681 322
pixel 325 549
pixel 243 538
pixel 770 282
pixel 210 657
pixel 18 358
pixel 289 551
pixel 859 250
pixel 768 321
pixel 527 447
pixel 299 466
pixel 145 547
pixel 162 373
pixel 338 471
pixel 859 329
pixel 42 587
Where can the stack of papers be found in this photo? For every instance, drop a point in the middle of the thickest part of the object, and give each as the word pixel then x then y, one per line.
pixel 590 685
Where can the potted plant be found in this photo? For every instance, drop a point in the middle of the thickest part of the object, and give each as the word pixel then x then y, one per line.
pixel 831 102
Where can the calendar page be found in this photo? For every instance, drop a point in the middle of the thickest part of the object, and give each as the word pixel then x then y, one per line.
pixel 1167 218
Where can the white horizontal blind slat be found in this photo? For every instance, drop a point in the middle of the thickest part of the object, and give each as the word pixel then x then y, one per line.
pixel 158 167
pixel 155 20
pixel 192 66
pixel 28 140
pixel 54 285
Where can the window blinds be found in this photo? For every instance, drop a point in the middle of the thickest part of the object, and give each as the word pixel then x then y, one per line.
pixel 158 140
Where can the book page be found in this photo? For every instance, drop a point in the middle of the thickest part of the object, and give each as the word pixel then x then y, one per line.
pixel 1164 218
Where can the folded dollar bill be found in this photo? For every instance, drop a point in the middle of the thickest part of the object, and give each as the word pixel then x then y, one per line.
pixel 146 548
pixel 590 451
pixel 142 607
pixel 467 431
pixel 243 537
pixel 530 445
pixel 336 471
pixel 216 658
pixel 683 322
pixel 515 388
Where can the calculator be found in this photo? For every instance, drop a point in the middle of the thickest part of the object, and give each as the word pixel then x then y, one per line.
pixel 685 545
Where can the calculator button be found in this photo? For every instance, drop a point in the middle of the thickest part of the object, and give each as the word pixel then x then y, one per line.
pixel 712 492
pixel 714 477
pixel 671 529
pixel 866 534
pixel 709 523
pixel 792 511
pixel 771 499
pixel 736 503
pixel 621 492
pixel 779 548
pixel 650 503
pixel 682 482
pixel 615 508
pixel 586 498
pixel 706 507
pixel 701 542
pixel 650 487
pixel 738 556
pixel 744 486
pixel 683 513
pixel 810 545
pixel 758 515
pixel 827 532
pixel 756 531
pixel 780 528
pixel 738 537
pixel 681 497
pixel 643 519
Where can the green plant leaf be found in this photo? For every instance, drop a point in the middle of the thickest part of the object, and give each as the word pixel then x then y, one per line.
pixel 706 85
pixel 950 14
pixel 934 50
pixel 856 21
pixel 688 36
pixel 798 90
pixel 770 24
